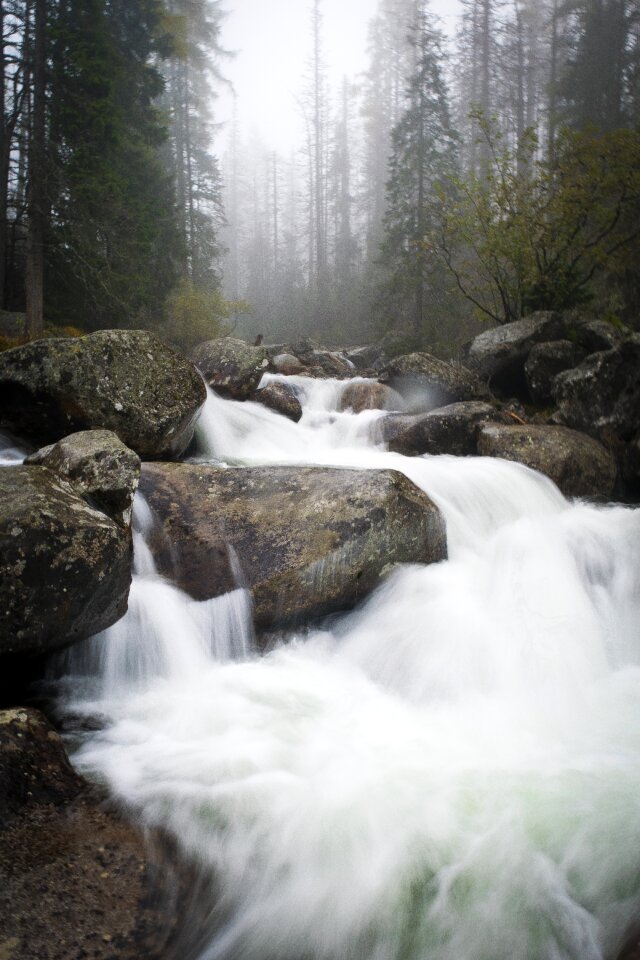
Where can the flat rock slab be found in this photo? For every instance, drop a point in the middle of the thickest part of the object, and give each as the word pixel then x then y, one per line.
pixel 309 540
pixel 127 381
pixel 65 567
pixel 577 464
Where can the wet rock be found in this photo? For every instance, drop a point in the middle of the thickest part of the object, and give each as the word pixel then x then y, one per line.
pixel 451 429
pixel 288 364
pixel 498 355
pixel 230 366
pixel 34 767
pixel 280 397
pixel 98 466
pixel 544 363
pixel 370 395
pixel 127 381
pixel 370 357
pixel 309 540
pixel 75 880
pixel 630 468
pixel 427 383
pixel 602 395
pixel 592 336
pixel 577 464
pixel 65 567
pixel 332 363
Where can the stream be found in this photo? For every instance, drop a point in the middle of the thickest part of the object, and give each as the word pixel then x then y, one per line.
pixel 449 772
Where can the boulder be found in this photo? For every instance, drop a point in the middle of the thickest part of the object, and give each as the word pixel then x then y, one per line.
pixel 577 464
pixel 602 395
pixel 451 429
pixel 280 397
pixel 98 467
pixel 288 364
pixel 630 468
pixel 370 395
pixel 75 879
pixel 498 355
pixel 332 363
pixel 427 383
pixel 370 357
pixel 231 367
pixel 544 363
pixel 309 540
pixel 34 767
pixel 594 335
pixel 65 567
pixel 127 381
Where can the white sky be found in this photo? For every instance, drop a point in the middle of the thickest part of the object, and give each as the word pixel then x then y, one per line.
pixel 272 40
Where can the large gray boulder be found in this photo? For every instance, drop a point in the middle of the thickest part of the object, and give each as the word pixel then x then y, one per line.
pixel 577 464
pixel 544 363
pixel 426 382
pixel 498 355
pixel 592 335
pixel 98 466
pixel 309 540
pixel 602 395
pixel 65 567
pixel 451 429
pixel 230 366
pixel 127 381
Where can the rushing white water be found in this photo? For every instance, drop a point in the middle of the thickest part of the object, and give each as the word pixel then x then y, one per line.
pixel 10 452
pixel 450 772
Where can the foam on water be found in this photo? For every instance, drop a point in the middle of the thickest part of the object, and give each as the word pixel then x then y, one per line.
pixel 450 772
pixel 11 453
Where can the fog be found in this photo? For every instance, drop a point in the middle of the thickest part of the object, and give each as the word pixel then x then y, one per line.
pixel 271 44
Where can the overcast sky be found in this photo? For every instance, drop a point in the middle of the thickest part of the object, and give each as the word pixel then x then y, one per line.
pixel 272 41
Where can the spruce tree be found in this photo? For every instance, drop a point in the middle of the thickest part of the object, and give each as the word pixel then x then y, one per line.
pixel 424 147
pixel 112 245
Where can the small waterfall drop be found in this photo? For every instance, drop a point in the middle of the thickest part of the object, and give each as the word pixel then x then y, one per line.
pixel 449 772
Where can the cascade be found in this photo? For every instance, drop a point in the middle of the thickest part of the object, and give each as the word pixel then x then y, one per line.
pixel 449 772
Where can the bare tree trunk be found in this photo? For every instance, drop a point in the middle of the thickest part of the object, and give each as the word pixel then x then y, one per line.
pixel 37 190
pixel 553 80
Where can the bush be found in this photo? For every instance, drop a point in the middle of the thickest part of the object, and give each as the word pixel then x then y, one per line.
pixel 193 315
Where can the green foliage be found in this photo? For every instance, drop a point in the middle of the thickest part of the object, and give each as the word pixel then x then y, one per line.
pixel 194 315
pixel 535 236
pixel 113 246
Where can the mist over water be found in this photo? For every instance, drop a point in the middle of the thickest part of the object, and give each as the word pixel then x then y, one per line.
pixel 449 772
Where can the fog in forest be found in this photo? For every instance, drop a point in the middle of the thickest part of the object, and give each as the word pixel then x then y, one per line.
pixel 402 170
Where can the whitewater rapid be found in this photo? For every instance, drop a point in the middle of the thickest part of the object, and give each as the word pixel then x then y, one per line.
pixel 449 772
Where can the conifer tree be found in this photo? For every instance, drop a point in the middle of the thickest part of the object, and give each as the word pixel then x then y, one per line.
pixel 423 156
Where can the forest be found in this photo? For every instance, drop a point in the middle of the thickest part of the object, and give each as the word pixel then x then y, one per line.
pixel 457 180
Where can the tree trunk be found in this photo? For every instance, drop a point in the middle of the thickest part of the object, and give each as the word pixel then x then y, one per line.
pixel 37 190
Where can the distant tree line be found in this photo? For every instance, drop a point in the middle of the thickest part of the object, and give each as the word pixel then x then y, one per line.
pixel 110 196
pixel 446 185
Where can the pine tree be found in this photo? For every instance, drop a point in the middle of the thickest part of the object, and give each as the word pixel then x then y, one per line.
pixel 599 86
pixel 112 245
pixel 190 74
pixel 424 155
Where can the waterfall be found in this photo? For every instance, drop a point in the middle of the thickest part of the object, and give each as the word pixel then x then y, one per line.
pixel 449 772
